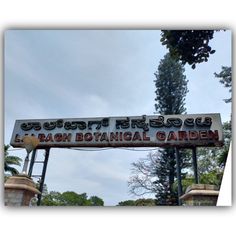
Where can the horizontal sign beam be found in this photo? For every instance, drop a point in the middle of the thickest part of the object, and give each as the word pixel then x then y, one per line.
pixel 135 131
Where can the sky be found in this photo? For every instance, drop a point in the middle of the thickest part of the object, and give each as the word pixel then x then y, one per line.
pixel 97 73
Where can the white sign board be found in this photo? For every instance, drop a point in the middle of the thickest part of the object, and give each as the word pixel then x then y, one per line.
pixel 134 131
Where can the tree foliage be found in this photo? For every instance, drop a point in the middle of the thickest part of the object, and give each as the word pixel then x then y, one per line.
pixel 52 199
pixel 188 46
pixel 144 179
pixel 211 162
pixel 127 203
pixel 223 152
pixel 209 170
pixel 214 159
pixel 225 77
pixel 96 201
pixel 156 173
pixel 11 161
pixel 70 198
pixel 171 87
pixel 138 202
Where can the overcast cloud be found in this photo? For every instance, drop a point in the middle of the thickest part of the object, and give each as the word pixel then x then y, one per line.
pixel 89 73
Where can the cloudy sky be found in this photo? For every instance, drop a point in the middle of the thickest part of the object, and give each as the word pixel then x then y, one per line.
pixel 90 73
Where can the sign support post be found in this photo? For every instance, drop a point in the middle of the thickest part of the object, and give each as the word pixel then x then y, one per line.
pixel 32 163
pixel 179 179
pixel 43 175
pixel 195 169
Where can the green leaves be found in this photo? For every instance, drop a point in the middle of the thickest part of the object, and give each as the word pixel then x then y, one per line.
pixel 96 201
pixel 9 161
pixel 225 77
pixel 156 173
pixel 171 86
pixel 188 46
pixel 138 202
pixel 70 198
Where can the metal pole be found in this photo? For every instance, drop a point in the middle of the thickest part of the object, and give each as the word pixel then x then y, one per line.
pixel 43 176
pixel 179 179
pixel 195 169
pixel 32 163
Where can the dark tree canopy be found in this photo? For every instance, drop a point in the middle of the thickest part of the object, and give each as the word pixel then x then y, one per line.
pixel 225 77
pixel 188 46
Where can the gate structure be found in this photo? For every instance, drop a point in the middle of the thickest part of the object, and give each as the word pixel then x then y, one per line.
pixel 177 131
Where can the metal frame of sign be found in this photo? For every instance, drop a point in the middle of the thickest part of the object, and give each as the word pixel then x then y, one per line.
pixel 179 131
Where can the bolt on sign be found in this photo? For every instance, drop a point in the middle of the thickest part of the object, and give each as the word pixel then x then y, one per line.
pixel 134 131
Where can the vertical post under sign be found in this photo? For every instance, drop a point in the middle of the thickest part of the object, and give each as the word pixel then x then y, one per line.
pixel 43 175
pixel 32 162
pixel 179 179
pixel 195 170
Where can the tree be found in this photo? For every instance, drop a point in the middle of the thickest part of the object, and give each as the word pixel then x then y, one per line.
pixel 96 201
pixel 209 169
pixel 171 87
pixel 211 162
pixel 188 46
pixel 186 182
pixel 70 198
pixel 10 160
pixel 156 173
pixel 127 203
pixel 52 199
pixel 223 152
pixel 145 202
pixel 138 202
pixel 144 179
pixel 225 77
pixel 211 159
pixel 171 90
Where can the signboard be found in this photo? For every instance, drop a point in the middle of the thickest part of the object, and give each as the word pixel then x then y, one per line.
pixel 134 131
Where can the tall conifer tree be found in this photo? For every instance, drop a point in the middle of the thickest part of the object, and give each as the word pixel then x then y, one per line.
pixel 171 90
pixel 156 173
